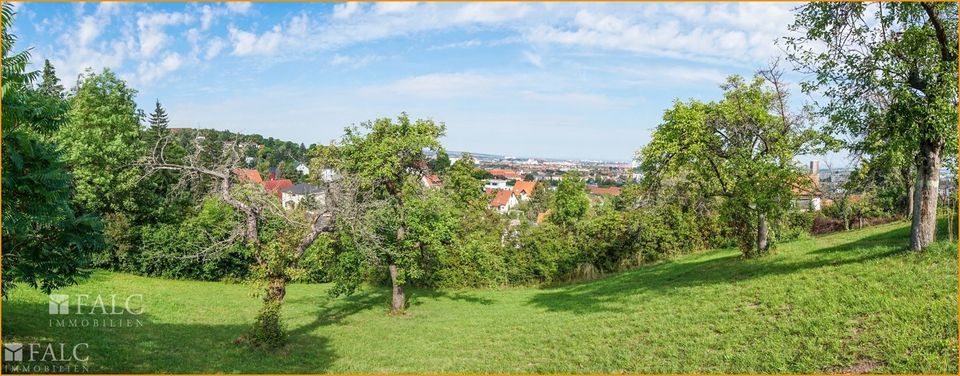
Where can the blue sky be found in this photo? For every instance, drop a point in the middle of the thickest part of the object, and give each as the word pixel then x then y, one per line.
pixel 561 80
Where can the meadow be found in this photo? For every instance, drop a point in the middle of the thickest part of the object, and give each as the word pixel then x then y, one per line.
pixel 850 302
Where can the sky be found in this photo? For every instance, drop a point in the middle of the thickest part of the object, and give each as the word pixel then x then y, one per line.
pixel 554 80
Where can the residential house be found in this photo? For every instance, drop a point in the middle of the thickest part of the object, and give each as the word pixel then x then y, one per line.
pixel 496 184
pixel 303 169
pixel 608 191
pixel 431 181
pixel 503 201
pixel 807 194
pixel 293 196
pixel 248 175
pixel 524 189
pixel 506 174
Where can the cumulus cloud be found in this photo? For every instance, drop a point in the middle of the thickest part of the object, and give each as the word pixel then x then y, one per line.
pixel 246 43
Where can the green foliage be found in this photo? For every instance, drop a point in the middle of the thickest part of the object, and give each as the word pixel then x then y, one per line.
pixel 268 331
pixel 45 244
pixel 50 84
pixel 461 182
pixel 440 164
pixel 740 148
pixel 196 248
pixel 101 142
pixel 387 158
pixel 570 202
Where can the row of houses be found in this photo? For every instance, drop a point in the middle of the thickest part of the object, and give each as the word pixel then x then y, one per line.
pixel 290 195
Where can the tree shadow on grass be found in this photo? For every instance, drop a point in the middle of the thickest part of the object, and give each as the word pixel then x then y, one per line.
pixel 718 267
pixel 418 296
pixel 148 345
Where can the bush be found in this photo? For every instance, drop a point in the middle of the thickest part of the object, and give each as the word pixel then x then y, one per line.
pixel 796 225
pixel 189 250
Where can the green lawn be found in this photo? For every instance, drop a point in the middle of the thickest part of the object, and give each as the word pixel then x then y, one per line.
pixel 850 302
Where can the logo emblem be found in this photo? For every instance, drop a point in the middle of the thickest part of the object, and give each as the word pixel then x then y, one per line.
pixel 12 352
pixel 59 304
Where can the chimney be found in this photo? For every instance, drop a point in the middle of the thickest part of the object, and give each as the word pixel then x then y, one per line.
pixel 815 167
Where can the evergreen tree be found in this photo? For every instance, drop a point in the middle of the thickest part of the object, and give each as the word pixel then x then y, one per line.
pixel 158 120
pixel 50 84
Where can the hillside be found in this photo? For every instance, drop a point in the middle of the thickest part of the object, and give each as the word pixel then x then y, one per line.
pixel 850 302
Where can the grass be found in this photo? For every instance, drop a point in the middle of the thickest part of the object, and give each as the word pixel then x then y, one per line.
pixel 848 302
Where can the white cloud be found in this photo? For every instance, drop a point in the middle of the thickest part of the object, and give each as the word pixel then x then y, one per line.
pixel 241 7
pixel 345 10
pixel 299 25
pixel 392 7
pixel 151 26
pixel 354 62
pixel 247 43
pixel 533 58
pixel 149 72
pixel 213 48
pixel 491 12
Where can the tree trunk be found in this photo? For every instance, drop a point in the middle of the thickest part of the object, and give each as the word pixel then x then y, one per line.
pixel 763 234
pixel 399 299
pixel 276 289
pixel 909 201
pixel 924 227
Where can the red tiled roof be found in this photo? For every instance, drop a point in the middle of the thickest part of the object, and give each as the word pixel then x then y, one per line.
pixel 432 180
pixel 248 175
pixel 509 174
pixel 612 191
pixel 501 199
pixel 524 186
pixel 277 185
pixel 808 186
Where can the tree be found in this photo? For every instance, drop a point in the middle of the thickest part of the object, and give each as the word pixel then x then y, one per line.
pixel 101 142
pixel 158 120
pixel 741 148
pixel 570 202
pixel 45 245
pixel 889 71
pixel 459 180
pixel 440 164
pixel 50 84
pixel 278 238
pixel 388 159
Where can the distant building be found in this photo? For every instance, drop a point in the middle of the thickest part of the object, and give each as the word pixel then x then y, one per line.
pixel 524 189
pixel 503 201
pixel 293 196
pixel 608 191
pixel 808 194
pixel 496 184
pixel 431 181
pixel 303 169
pixel 506 174
pixel 248 175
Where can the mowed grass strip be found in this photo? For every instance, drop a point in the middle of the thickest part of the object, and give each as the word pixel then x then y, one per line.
pixel 851 302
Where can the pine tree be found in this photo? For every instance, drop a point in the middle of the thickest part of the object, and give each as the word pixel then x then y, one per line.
pixel 50 84
pixel 158 120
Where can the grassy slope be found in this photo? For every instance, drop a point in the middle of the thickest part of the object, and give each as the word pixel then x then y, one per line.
pixel 856 299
